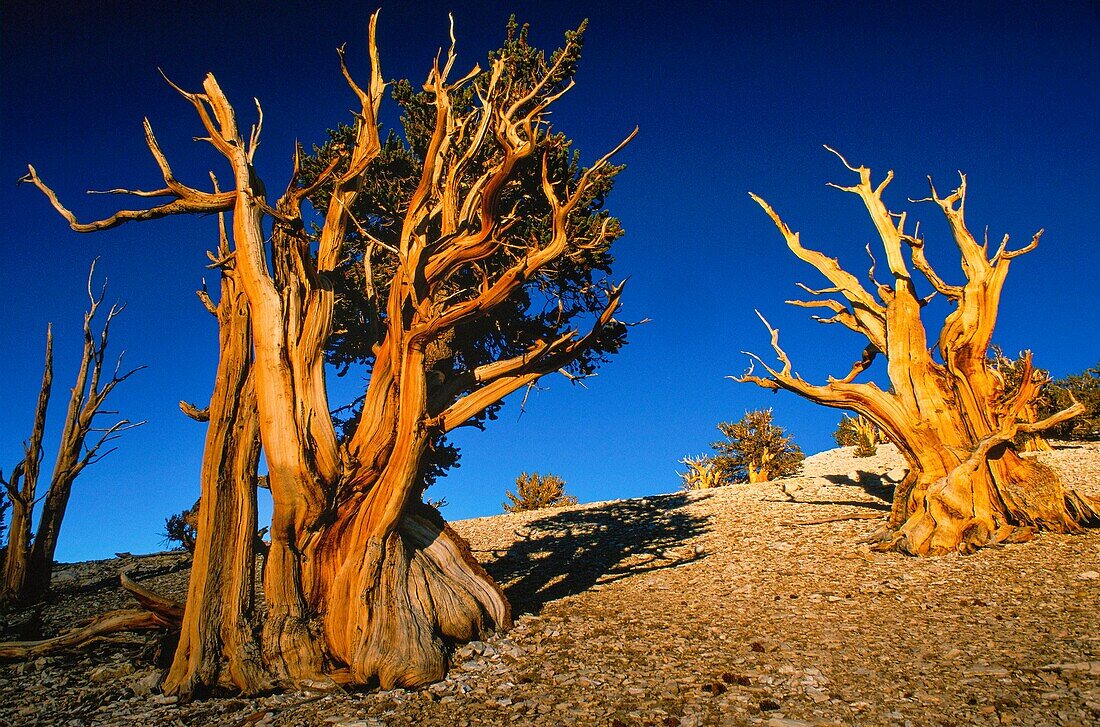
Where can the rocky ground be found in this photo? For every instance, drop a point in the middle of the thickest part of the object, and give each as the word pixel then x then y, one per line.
pixel 684 609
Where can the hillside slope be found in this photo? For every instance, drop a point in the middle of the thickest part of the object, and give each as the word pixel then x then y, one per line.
pixel 682 609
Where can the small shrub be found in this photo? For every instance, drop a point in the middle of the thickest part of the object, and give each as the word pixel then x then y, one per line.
pixel 181 529
pixel 535 491
pixel 859 432
pixel 702 473
pixel 756 450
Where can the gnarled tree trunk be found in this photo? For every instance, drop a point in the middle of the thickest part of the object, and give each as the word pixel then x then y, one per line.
pixel 21 491
pixel 953 420
pixel 362 582
pixel 217 640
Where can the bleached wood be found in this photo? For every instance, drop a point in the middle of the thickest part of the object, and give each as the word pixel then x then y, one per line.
pixel 951 419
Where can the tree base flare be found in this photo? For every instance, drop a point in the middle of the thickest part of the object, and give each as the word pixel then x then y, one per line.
pixel 1008 500
pixel 401 602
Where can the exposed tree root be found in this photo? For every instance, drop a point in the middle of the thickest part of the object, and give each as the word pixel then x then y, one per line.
pixel 421 591
pixel 950 516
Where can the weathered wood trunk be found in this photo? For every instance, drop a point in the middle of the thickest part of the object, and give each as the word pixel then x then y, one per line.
pixel 21 492
pixel 953 420
pixel 400 599
pixel 217 641
pixel 361 581
pixel 40 560
pixel 29 567
pixel 992 496
pixel 15 553
pixel 400 587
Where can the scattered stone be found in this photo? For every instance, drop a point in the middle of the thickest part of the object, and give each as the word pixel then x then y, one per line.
pixel 109 672
pixel 675 610
pixel 895 475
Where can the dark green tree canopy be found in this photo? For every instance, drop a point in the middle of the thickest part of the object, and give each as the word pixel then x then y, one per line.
pixel 562 296
pixel 754 447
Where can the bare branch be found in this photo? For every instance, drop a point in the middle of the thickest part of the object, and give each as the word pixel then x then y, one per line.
pixel 504 377
pixel 842 159
pixel 867 311
pixel 859 367
pixel 1074 410
pixel 204 297
pixel 196 413
pixel 1003 254
pixel 188 200
pixel 920 262
pixel 12 484
pixel 783 358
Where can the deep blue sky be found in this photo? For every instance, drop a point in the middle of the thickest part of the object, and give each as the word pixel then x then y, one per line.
pixel 730 97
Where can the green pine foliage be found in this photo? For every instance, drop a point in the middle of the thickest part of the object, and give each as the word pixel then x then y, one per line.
pixel 755 449
pixel 1061 393
pixel 535 492
pixel 859 432
pixel 564 296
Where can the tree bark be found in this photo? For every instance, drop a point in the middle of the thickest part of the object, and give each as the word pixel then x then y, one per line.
pixel 21 492
pixel 217 641
pixel 15 552
pixel 401 598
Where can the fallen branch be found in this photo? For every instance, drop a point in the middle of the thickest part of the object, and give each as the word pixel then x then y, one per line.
pixel 157 612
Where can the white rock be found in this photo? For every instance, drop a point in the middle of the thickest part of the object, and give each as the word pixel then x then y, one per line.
pixel 895 475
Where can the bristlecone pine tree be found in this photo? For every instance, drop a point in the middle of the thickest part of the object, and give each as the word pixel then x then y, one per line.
pixel 535 492
pixel 479 225
pixel 859 432
pixel 182 529
pixel 28 562
pixel 702 473
pixel 755 449
pixel 952 419
pixel 1084 388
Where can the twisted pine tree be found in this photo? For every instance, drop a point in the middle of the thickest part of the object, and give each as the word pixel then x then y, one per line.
pixel 459 261
pixel 953 419
pixel 535 492
pixel 755 450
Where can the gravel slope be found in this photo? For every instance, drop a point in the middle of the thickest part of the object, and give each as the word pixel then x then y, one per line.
pixel 683 609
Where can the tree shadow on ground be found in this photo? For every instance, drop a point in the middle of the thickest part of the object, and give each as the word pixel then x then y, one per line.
pixel 565 553
pixel 873 484
pixel 884 507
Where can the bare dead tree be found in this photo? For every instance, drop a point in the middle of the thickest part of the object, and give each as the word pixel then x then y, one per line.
pixel 953 419
pixel 28 564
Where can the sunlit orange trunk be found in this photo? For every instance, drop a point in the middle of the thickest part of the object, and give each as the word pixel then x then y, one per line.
pixel 951 419
pixel 362 582
pixel 217 641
